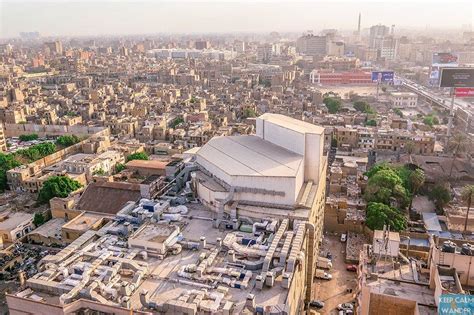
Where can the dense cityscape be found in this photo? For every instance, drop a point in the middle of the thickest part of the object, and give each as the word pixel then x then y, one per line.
pixel 312 172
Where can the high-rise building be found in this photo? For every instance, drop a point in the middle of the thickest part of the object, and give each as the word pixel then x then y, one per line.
pixel 55 47
pixel 264 53
pixel 239 46
pixel 312 45
pixel 382 39
pixel 202 44
pixel 377 32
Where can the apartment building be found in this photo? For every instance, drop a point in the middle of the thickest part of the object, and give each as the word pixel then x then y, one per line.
pixel 403 99
pixel 384 139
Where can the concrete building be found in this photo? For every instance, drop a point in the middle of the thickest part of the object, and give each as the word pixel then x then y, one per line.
pixel 14 225
pixel 312 45
pixel 403 99
pixel 337 78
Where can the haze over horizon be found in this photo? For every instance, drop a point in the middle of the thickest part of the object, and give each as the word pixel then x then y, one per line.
pixel 88 18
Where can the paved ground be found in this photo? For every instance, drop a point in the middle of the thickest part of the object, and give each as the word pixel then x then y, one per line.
pixel 334 292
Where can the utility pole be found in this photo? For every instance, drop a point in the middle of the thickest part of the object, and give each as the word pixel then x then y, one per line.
pixel 451 116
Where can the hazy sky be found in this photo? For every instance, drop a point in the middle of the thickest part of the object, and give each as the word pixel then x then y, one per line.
pixel 88 17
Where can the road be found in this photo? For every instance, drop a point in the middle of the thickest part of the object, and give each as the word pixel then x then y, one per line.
pixel 441 100
pixel 334 292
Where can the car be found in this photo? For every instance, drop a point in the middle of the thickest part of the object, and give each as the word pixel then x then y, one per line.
pixel 316 304
pixel 329 255
pixel 345 307
pixel 343 237
pixel 352 268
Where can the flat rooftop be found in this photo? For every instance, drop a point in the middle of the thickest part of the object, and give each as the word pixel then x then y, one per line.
pixel 83 222
pixel 162 281
pixel 11 220
pixel 291 123
pixel 151 164
pixel 250 156
pixel 156 233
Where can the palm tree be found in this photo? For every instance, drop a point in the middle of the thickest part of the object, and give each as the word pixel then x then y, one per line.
pixel 467 196
pixel 457 145
pixel 417 179
pixel 409 149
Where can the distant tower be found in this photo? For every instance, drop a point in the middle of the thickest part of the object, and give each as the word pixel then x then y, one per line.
pixel 392 31
pixel 358 25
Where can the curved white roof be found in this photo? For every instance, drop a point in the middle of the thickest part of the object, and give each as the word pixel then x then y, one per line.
pixel 250 156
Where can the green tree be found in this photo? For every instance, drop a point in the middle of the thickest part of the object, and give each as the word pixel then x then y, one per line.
pixel 417 180
pixel 385 185
pixel 409 149
pixel 398 112
pixel 431 120
pixel 7 162
pixel 249 112
pixel 99 172
pixel 467 196
pixel 379 214
pixel 440 196
pixel 119 167
pixel 333 104
pixel 67 140
pixel 457 145
pixel 29 137
pixel 363 107
pixel 57 186
pixel 177 121
pixel 37 151
pixel 376 168
pixel 371 122
pixel 137 156
pixel 38 219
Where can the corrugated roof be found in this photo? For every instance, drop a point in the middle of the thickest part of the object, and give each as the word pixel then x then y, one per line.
pixel 108 197
pixel 250 156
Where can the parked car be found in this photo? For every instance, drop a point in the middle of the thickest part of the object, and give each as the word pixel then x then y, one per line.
pixel 345 307
pixel 316 304
pixel 343 237
pixel 321 274
pixel 352 268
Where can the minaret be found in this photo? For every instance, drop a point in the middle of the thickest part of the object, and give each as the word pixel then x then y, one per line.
pixel 358 25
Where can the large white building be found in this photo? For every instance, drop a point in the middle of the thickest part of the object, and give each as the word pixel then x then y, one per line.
pixel 269 168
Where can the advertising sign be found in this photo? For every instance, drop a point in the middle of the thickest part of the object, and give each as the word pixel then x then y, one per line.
pixel 457 77
pixel 382 76
pixel 456 304
pixel 464 92
pixel 445 59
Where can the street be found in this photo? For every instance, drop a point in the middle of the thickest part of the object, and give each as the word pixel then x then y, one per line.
pixel 334 292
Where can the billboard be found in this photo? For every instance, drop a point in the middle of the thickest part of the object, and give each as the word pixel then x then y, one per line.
pixel 457 77
pixel 445 59
pixel 382 76
pixel 464 92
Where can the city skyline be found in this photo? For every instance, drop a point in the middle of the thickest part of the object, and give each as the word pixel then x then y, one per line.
pixel 149 17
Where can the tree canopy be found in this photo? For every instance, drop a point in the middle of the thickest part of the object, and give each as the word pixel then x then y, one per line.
pixel 7 162
pixel 29 137
pixel 364 107
pixel 431 120
pixel 67 140
pixel 440 196
pixel 379 214
pixel 57 186
pixel 333 104
pixel 137 156
pixel 177 121
pixel 387 183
